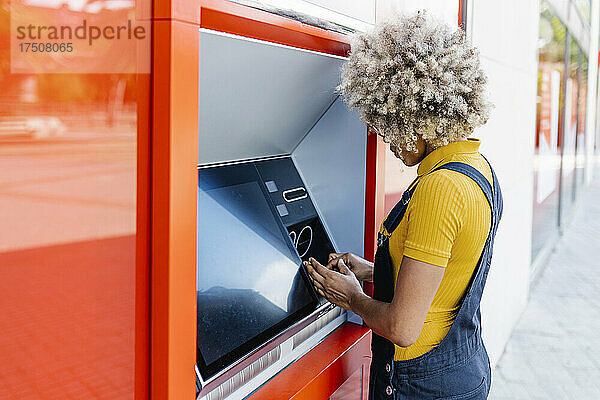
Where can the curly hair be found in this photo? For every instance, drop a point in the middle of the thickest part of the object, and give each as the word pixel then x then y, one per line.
pixel 413 77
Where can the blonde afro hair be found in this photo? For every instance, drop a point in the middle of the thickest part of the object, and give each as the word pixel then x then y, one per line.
pixel 416 77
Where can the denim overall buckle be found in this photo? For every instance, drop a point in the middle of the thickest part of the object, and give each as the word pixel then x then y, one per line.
pixel 381 239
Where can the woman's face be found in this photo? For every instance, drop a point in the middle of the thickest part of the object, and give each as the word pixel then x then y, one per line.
pixel 410 158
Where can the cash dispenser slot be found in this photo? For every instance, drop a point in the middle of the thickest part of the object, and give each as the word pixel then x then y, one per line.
pixel 294 194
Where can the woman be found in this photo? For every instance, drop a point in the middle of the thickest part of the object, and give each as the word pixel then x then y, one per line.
pixel 419 84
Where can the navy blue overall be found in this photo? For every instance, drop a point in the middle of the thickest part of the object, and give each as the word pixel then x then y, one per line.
pixel 457 368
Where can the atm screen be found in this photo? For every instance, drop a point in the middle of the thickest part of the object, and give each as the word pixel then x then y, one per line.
pixel 250 282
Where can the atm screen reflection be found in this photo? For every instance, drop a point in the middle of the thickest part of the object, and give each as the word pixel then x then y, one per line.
pixel 248 275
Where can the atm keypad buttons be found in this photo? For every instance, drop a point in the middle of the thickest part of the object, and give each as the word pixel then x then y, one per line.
pixel 271 186
pixel 282 210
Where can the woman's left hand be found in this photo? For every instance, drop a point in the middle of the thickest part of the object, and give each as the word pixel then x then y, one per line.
pixel 340 288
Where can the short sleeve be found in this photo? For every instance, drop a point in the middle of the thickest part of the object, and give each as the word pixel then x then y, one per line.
pixel 434 219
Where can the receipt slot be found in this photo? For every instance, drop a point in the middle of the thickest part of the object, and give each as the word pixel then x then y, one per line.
pixel 281 177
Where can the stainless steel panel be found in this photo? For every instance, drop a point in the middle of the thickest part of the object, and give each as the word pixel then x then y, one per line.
pixel 259 99
pixel 332 162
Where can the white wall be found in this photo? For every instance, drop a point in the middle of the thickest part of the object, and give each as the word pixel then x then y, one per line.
pixel 506 35
pixel 445 10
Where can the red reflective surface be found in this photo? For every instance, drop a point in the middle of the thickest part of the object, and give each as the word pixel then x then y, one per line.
pixel 397 179
pixel 72 261
pixel 352 388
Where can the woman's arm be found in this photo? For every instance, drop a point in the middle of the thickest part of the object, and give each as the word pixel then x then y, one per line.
pixel 401 320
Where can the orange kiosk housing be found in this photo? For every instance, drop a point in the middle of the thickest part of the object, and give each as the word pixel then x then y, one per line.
pixel 343 353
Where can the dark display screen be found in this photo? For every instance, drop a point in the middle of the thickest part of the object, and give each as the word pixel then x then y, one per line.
pixel 250 283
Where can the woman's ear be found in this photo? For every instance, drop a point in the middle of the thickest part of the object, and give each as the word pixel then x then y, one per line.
pixel 422 147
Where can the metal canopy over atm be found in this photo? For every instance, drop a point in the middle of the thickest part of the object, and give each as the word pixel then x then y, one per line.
pixel 281 177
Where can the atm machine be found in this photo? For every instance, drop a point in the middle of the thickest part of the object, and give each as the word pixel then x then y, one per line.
pixel 281 177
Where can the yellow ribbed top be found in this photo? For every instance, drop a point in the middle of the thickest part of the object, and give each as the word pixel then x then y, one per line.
pixel 446 224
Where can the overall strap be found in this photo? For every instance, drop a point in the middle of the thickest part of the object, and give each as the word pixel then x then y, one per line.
pixel 494 198
pixel 472 173
pixel 395 216
pixel 498 201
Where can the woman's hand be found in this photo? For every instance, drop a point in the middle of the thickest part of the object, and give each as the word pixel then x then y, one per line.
pixel 340 288
pixel 362 268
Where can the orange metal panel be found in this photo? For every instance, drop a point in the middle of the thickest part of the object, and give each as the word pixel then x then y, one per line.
pixel 234 18
pixel 174 185
pixel 182 10
pixel 142 261
pixel 226 16
pixel 321 371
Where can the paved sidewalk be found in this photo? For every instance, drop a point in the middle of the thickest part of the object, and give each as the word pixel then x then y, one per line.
pixel 554 351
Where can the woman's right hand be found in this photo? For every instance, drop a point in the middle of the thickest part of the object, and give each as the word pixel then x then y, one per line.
pixel 362 268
